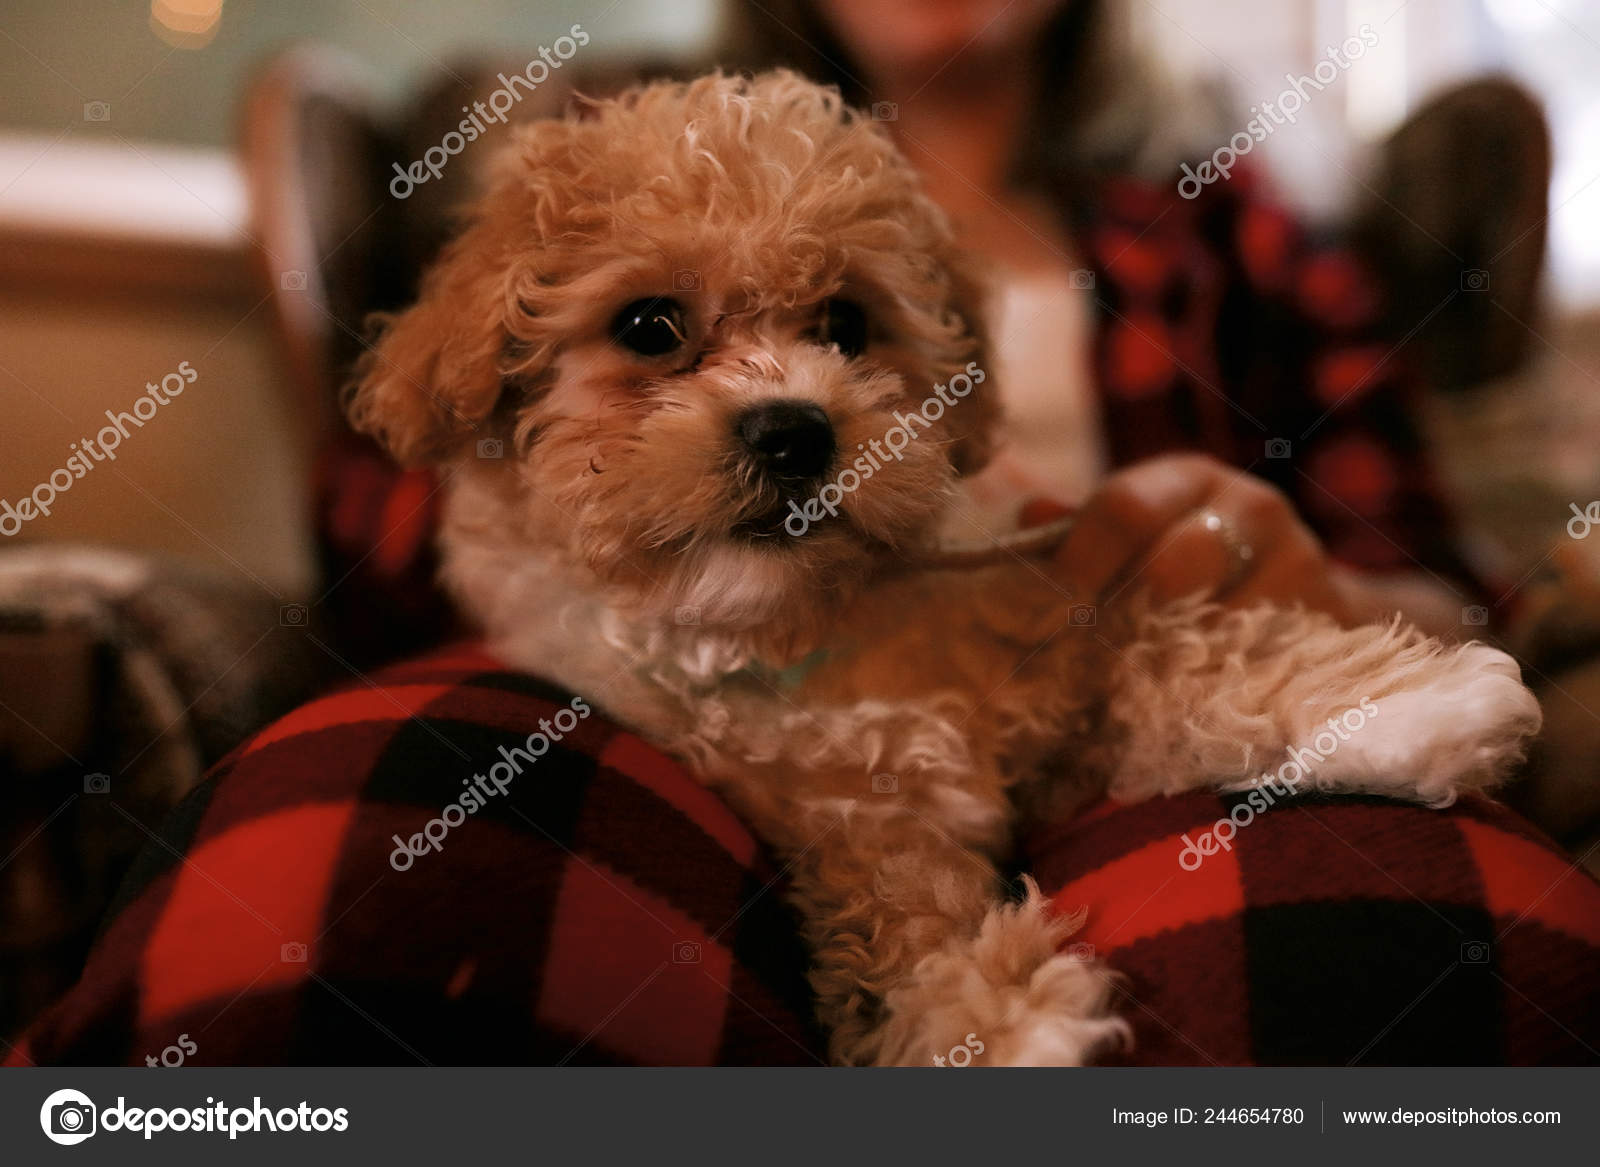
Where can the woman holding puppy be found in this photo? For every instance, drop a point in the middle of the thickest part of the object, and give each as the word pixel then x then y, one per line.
pixel 1204 385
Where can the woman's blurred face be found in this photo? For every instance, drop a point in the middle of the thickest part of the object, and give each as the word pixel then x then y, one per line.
pixel 909 37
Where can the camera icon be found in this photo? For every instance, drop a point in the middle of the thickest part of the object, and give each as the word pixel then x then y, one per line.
pixel 1080 951
pixel 1082 615
pixel 1082 277
pixel 686 614
pixel 1475 614
pixel 72 1121
pixel 294 616
pixel 1474 279
pixel 686 952
pixel 292 281
pixel 1475 952
pixel 491 448
pixel 686 280
pixel 1278 448
pixel 885 784
pixel 97 111
pixel 97 783
pixel 885 111
pixel 293 952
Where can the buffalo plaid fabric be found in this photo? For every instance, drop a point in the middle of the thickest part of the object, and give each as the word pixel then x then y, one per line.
pixel 603 909
pixel 607 909
pixel 1334 931
pixel 376 524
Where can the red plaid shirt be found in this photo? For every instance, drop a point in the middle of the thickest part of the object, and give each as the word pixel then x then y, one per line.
pixel 1223 327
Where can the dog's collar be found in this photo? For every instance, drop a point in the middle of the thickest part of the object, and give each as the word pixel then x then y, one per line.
pixel 790 677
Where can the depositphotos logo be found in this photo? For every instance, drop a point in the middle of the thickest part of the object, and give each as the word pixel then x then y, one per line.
pixel 70 1116
pixel 67 1117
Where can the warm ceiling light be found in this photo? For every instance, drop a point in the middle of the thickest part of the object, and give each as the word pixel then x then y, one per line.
pixel 186 24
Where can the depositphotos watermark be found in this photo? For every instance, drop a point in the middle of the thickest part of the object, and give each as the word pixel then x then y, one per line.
pixel 175 1054
pixel 1274 114
pixel 879 452
pixel 960 1056
pixel 501 102
pixel 89 452
pixel 481 789
pixel 1266 790
pixel 69 1117
pixel 1582 522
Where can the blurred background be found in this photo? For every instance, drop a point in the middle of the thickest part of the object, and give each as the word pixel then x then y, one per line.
pixel 205 187
pixel 124 232
pixel 125 236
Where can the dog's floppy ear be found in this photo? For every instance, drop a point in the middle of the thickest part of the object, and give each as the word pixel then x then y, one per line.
pixel 437 369
pixel 434 372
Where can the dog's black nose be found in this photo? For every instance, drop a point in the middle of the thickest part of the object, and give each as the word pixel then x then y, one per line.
pixel 790 439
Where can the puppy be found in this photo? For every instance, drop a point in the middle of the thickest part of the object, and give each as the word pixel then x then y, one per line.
pixel 736 368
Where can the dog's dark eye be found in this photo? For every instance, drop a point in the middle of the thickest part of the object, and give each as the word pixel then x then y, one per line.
pixel 844 326
pixel 651 328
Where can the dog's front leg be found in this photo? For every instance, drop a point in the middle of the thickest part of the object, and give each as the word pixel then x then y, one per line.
pixel 915 955
pixel 880 888
pixel 1209 697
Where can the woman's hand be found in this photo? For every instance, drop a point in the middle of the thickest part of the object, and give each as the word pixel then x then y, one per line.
pixel 1180 524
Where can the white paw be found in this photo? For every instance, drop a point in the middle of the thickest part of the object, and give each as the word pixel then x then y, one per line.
pixel 1007 990
pixel 1048 1024
pixel 1460 724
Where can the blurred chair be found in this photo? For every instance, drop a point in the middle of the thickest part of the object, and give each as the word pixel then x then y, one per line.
pixel 1454 221
pixel 314 146
pixel 319 151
